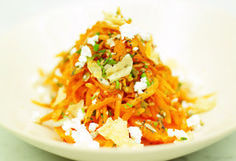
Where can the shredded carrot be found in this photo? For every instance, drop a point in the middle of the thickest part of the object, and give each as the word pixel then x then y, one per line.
pixel 95 91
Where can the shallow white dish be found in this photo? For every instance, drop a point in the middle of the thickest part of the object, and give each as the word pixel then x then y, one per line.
pixel 201 39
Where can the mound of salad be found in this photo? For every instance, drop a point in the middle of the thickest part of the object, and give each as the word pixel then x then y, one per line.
pixel 111 89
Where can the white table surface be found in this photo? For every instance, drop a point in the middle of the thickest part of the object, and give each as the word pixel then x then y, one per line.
pixel 13 12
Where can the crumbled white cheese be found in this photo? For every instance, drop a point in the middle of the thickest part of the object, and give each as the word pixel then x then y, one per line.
pixel 94 101
pixel 73 50
pixel 178 133
pixel 186 104
pixel 92 40
pixel 145 36
pixel 194 121
pixel 79 132
pixel 135 49
pixel 92 126
pixel 58 72
pixel 85 52
pixel 140 86
pixel 110 42
pixel 174 100
pixel 128 31
pixel 83 138
pixel 159 116
pixel 135 133
pixel 36 117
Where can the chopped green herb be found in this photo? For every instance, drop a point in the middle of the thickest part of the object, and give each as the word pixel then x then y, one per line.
pixel 179 85
pixel 66 59
pixel 59 84
pixel 99 63
pixel 104 73
pixel 94 113
pixel 109 34
pixel 155 123
pixel 94 56
pixel 96 47
pixel 130 19
pixel 183 138
pixel 117 84
pixel 102 51
pixel 145 66
pixel 131 55
pixel 109 113
pixel 102 115
pixel 130 76
pixel 83 110
pixel 93 97
pixel 143 76
pixel 98 33
pixel 91 118
pixel 130 105
pixel 79 51
pixel 111 62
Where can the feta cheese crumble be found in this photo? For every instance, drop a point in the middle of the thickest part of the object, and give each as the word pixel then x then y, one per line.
pixel 92 126
pixel 128 31
pixel 36 117
pixel 194 122
pixel 94 101
pixel 85 52
pixel 186 104
pixel 135 133
pixel 73 50
pixel 178 133
pixel 92 40
pixel 111 42
pixel 140 86
pixel 135 49
pixel 145 36
pixel 79 132
pixel 58 72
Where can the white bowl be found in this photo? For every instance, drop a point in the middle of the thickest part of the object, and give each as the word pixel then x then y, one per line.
pixel 198 37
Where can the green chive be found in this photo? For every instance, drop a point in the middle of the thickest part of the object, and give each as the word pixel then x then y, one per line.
pixel 83 110
pixel 91 118
pixel 109 113
pixel 102 51
pixel 103 72
pixel 98 33
pixel 131 55
pixel 99 63
pixel 130 105
pixel 145 66
pixel 143 75
pixel 109 34
pixel 59 84
pixel 96 47
pixel 94 56
pixel 117 84
pixel 183 138
pixel 79 51
pixel 130 76
pixel 179 85
pixel 111 62
pixel 155 124
pixel 66 59
pixel 130 19
pixel 102 115
pixel 93 97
